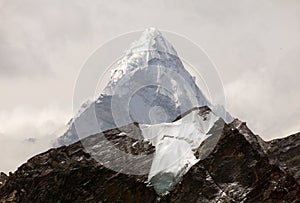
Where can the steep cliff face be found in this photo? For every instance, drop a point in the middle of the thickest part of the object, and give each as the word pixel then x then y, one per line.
pixel 3 178
pixel 286 153
pixel 237 169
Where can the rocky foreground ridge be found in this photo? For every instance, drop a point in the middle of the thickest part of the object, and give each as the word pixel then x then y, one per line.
pixel 241 168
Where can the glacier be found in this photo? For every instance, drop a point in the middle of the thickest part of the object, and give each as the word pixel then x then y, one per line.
pixel 175 144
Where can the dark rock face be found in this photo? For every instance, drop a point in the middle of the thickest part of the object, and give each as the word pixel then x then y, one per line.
pixel 3 178
pixel 245 175
pixel 286 153
pixel 238 169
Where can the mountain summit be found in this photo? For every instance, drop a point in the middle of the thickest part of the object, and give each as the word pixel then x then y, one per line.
pixel 152 39
pixel 149 85
pixel 151 45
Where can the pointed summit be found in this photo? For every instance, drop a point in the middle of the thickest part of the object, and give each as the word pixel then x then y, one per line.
pixel 149 85
pixel 152 31
pixel 150 49
pixel 153 79
pixel 151 40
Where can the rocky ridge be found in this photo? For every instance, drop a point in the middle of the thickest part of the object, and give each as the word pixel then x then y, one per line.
pixel 240 168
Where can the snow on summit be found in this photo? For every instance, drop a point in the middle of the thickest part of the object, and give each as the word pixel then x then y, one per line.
pixel 150 85
pixel 151 39
pixel 146 47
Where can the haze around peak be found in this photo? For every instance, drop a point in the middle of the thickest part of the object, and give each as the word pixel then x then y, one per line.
pixel 255 46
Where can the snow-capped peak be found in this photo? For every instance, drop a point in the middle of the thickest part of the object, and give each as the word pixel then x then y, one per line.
pixel 149 85
pixel 151 45
pixel 151 40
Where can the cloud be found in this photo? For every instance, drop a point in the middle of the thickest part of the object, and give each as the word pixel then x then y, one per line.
pixel 25 132
pixel 43 45
pixel 267 101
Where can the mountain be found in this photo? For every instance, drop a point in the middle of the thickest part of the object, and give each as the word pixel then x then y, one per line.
pixel 149 85
pixel 152 136
pixel 239 167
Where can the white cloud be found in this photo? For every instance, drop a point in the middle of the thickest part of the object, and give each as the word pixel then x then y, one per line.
pixel 43 44
pixel 25 132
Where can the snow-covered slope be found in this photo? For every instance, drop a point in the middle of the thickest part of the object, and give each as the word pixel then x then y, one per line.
pixel 175 144
pixel 151 45
pixel 150 85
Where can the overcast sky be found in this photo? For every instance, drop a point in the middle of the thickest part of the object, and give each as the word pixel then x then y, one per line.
pixel 254 44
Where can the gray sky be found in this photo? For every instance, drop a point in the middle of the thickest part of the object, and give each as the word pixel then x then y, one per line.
pixel 254 44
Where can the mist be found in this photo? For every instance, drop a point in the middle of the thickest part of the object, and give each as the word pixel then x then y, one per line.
pixel 254 44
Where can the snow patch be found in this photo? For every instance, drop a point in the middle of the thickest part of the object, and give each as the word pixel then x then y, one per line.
pixel 175 144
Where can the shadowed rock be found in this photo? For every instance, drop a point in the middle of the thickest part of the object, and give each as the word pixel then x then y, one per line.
pixel 237 169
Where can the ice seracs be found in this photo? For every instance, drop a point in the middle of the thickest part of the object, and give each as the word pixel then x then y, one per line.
pixel 175 144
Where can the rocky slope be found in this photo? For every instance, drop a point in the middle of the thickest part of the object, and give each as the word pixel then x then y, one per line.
pixel 286 153
pixel 240 168
pixel 3 178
